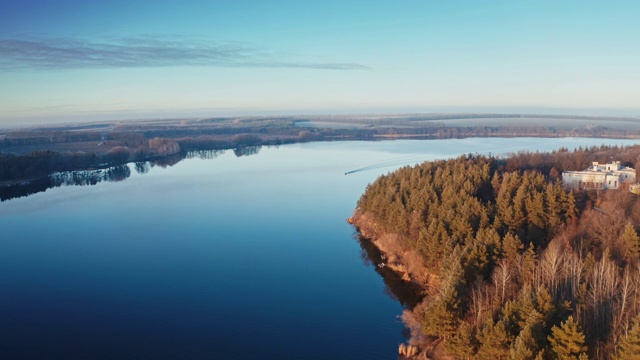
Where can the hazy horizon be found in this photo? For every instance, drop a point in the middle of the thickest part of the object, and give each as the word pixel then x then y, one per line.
pixel 79 118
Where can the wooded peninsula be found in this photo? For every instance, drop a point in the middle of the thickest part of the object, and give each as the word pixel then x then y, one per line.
pixel 508 264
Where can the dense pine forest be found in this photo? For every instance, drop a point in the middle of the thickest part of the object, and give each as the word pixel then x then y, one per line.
pixel 511 265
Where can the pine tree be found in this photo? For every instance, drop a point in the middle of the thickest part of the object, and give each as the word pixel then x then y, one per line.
pixel 525 303
pixel 553 208
pixel 632 241
pixel 462 345
pixel 507 209
pixel 441 317
pixel 528 265
pixel 440 320
pixel 567 341
pixel 544 304
pixel 511 248
pixel 629 345
pixel 494 341
pixel 535 217
pixel 532 338
pixel 518 214
pixel 523 347
pixel 571 208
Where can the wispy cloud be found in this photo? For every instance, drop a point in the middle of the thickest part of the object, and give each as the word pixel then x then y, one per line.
pixel 144 51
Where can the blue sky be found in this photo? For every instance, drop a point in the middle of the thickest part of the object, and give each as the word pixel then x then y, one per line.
pixel 64 60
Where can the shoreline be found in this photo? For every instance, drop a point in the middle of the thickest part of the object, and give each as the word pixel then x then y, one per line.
pixel 31 152
pixel 414 277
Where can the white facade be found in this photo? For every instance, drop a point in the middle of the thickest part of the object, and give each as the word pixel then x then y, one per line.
pixel 600 176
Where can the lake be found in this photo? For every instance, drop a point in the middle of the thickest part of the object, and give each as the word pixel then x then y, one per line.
pixel 224 257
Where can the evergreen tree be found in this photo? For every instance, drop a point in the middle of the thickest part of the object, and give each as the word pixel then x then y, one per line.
pixel 529 261
pixel 532 338
pixel 571 208
pixel 440 320
pixel 523 347
pixel 632 242
pixel 512 317
pixel 442 317
pixel 567 341
pixel 544 304
pixel 536 217
pixel 494 341
pixel 518 218
pixel 553 208
pixel 462 345
pixel 511 248
pixel 629 345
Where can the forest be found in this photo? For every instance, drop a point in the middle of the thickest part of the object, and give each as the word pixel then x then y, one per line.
pixel 509 264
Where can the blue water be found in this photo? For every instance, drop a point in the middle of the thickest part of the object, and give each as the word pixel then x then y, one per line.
pixel 227 258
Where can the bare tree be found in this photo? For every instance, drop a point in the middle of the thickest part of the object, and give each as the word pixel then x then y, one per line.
pixel 480 299
pixel 601 295
pixel 622 312
pixel 573 269
pixel 551 267
pixel 502 279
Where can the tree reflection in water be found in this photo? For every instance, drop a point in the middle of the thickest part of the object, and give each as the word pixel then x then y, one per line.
pixel 111 174
pixel 246 150
pixel 67 178
pixel 407 294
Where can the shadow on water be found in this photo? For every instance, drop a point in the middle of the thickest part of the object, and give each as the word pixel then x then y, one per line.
pixel 406 293
pixel 88 177
pixel 67 178
pixel 246 150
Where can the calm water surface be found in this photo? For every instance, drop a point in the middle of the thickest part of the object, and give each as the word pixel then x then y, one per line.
pixel 226 258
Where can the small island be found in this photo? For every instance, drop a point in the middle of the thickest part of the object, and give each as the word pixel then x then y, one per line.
pixel 507 260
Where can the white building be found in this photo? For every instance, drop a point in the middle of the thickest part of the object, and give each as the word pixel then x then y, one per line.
pixel 600 176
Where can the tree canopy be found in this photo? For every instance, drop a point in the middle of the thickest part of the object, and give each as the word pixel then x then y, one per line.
pixel 525 268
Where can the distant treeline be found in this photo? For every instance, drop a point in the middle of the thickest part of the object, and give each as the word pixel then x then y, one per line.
pixel 28 154
pixel 286 130
pixel 439 131
pixel 512 265
pixel 42 163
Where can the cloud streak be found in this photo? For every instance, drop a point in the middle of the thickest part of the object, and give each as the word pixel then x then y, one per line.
pixel 144 51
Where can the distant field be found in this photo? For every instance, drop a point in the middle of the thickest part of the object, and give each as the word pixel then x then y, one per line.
pixel 233 132
pixel 630 124
pixel 98 147
pixel 354 122
pixel 467 120
pixel 330 125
